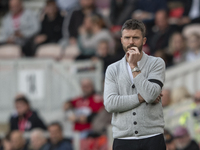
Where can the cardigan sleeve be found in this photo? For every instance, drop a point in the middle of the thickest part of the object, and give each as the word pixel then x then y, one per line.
pixel 112 100
pixel 150 88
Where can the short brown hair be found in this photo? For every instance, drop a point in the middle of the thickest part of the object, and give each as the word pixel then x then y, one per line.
pixel 56 124
pixel 133 24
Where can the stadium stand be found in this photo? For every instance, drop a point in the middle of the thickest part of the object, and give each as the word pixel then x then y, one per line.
pixel 53 76
pixel 53 51
pixel 10 52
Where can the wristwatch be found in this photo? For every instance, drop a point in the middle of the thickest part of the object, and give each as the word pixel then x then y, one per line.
pixel 136 69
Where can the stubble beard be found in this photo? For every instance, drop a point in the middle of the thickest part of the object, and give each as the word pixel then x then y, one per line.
pixel 132 45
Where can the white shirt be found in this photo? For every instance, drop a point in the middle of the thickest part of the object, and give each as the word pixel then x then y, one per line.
pixel 194 11
pixel 140 137
pixel 191 56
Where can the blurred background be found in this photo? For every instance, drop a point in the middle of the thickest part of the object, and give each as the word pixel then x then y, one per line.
pixel 53 57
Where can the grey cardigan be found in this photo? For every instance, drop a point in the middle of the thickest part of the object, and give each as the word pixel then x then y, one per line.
pixel 129 116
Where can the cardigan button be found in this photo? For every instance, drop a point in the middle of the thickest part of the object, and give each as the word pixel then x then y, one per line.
pixel 136 132
pixel 134 113
pixel 133 86
pixel 134 122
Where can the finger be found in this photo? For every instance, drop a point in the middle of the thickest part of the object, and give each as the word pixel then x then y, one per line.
pixel 135 49
pixel 161 94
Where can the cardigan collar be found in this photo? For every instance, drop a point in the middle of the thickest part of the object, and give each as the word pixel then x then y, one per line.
pixel 140 65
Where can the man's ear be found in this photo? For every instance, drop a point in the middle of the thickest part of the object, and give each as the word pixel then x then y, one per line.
pixel 144 40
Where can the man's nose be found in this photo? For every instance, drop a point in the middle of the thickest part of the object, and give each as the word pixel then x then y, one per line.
pixel 131 41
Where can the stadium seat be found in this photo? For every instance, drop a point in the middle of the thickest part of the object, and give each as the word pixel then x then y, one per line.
pixel 53 51
pixel 71 52
pixel 10 51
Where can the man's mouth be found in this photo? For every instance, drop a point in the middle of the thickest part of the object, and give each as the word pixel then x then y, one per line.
pixel 130 46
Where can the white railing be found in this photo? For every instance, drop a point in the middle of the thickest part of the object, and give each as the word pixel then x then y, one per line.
pixel 186 74
pixel 46 83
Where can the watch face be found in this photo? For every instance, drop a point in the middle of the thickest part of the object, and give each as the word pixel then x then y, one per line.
pixel 136 69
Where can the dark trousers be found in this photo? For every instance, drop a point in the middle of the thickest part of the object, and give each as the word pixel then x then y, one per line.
pixel 152 143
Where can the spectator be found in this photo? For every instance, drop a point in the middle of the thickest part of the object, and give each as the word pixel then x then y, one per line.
pixel 179 94
pixel 38 140
pixel 161 33
pixel 102 53
pixel 121 10
pixel 146 9
pixel 168 58
pixel 18 25
pixel 177 12
pixel 177 47
pixel 85 107
pixel 17 141
pixel 166 98
pixel 7 142
pixel 25 119
pixel 51 28
pixel 192 12
pixel 57 141
pixel 169 140
pixel 183 140
pixel 101 122
pixel 193 44
pixel 91 33
pixel 87 8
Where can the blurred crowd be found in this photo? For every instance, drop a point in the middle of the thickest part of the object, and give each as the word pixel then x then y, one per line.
pixel 86 113
pixel 91 30
pixel 187 106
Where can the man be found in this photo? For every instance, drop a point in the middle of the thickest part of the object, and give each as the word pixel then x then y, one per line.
pixel 77 18
pixel 57 141
pixel 18 25
pixel 160 34
pixel 51 28
pixel 38 140
pixel 169 140
pixel 183 140
pixel 25 119
pixel 17 141
pixel 85 107
pixel 132 93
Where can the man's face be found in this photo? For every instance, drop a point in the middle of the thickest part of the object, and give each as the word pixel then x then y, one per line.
pixel 132 38
pixel 17 140
pixel 15 6
pixel 21 108
pixel 182 142
pixel 55 134
pixel 86 3
pixel 87 87
pixel 51 9
pixel 36 142
pixel 193 42
pixel 102 49
pixel 161 20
